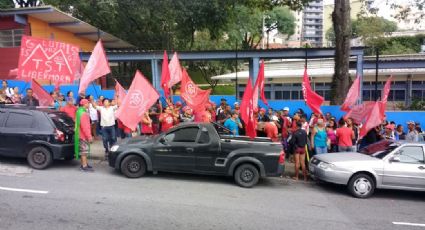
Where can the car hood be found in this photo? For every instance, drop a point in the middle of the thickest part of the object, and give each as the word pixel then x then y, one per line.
pixel 345 157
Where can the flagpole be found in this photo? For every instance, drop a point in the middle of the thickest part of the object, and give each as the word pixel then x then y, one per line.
pixel 236 80
pixel 376 73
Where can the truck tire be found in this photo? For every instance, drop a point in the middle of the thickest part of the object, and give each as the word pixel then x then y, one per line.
pixel 246 175
pixel 133 166
pixel 361 185
pixel 39 157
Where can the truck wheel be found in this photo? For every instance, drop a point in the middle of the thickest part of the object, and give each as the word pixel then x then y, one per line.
pixel 361 185
pixel 246 175
pixel 39 158
pixel 133 166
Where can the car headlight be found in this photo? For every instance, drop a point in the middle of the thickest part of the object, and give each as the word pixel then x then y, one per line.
pixel 324 165
pixel 114 148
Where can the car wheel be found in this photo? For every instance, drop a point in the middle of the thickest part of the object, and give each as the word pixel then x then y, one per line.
pixel 246 175
pixel 361 185
pixel 39 158
pixel 133 166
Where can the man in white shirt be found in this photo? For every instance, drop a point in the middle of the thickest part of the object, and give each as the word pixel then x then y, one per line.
pixel 107 123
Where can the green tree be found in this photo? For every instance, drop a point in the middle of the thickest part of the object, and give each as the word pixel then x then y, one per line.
pixel 372 29
pixel 5 4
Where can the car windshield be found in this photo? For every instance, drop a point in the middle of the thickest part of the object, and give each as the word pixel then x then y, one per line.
pixel 379 149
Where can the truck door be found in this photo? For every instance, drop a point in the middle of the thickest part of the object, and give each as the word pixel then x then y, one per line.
pixel 206 152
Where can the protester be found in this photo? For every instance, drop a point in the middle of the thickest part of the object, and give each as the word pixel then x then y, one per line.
pixel 285 124
pixel 8 91
pixel 187 115
pixel 299 142
pixel 222 107
pixel 224 114
pixel 70 109
pixel 350 124
pixel 107 124
pixel 389 132
pixel 305 125
pixel 319 138
pixel 418 127
pixel 83 136
pixel 59 103
pixel 167 119
pixel 331 133
pixel 233 124
pixel 154 113
pixel 147 124
pixel 94 117
pixel 399 133
pixel 16 97
pixel 412 134
pixel 262 117
pixel 29 99
pixel 371 137
pixel 345 137
pixel 70 95
pixel 271 129
pixel 237 108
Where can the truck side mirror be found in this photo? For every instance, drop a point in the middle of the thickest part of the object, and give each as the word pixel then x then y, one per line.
pixel 162 140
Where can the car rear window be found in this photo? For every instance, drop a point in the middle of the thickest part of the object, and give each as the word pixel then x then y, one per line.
pixel 19 120
pixel 62 121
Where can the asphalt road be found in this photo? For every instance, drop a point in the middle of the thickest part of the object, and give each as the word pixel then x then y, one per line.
pixel 62 197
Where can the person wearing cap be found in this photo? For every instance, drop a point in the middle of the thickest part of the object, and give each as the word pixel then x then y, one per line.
pixel 319 138
pixel 83 136
pixel 285 122
pixel 389 132
pixel 187 115
pixel 262 117
pixel 233 124
pixel 237 107
pixel 412 134
pixel 70 109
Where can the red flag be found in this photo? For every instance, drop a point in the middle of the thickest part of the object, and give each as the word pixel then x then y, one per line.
pixel 247 110
pixel 259 85
pixel 193 96
pixel 374 118
pixel 48 60
pixel 165 76
pixel 360 112
pixel 386 91
pixel 352 96
pixel 312 99
pixel 96 67
pixel 43 97
pixel 141 96
pixel 119 91
pixel 176 73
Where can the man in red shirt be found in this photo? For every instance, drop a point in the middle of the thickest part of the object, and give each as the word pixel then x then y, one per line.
pixel 70 109
pixel 83 135
pixel 270 128
pixel 167 119
pixel 345 137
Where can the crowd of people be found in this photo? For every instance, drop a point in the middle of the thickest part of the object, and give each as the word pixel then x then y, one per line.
pixel 299 133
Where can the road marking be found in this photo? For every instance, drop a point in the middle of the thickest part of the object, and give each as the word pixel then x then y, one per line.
pixel 23 190
pixel 409 224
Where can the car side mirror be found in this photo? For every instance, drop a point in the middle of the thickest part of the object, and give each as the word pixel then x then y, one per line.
pixel 395 159
pixel 162 140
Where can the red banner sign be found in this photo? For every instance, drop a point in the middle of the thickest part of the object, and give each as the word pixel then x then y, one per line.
pixel 48 60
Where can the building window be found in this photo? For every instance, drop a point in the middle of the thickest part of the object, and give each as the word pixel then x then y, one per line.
pixel 366 95
pixel 241 94
pixel 416 94
pixel 11 38
pixel 295 95
pixel 278 95
pixel 286 95
pixel 267 94
pixel 399 95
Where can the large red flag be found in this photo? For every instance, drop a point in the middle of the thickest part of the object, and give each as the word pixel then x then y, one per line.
pixel 43 97
pixel 119 91
pixel 352 96
pixel 175 68
pixel 96 67
pixel 360 112
pixel 194 97
pixel 312 99
pixel 141 96
pixel 247 110
pixel 165 76
pixel 374 118
pixel 259 85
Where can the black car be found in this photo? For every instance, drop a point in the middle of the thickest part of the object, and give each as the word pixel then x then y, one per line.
pixel 40 135
pixel 201 148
